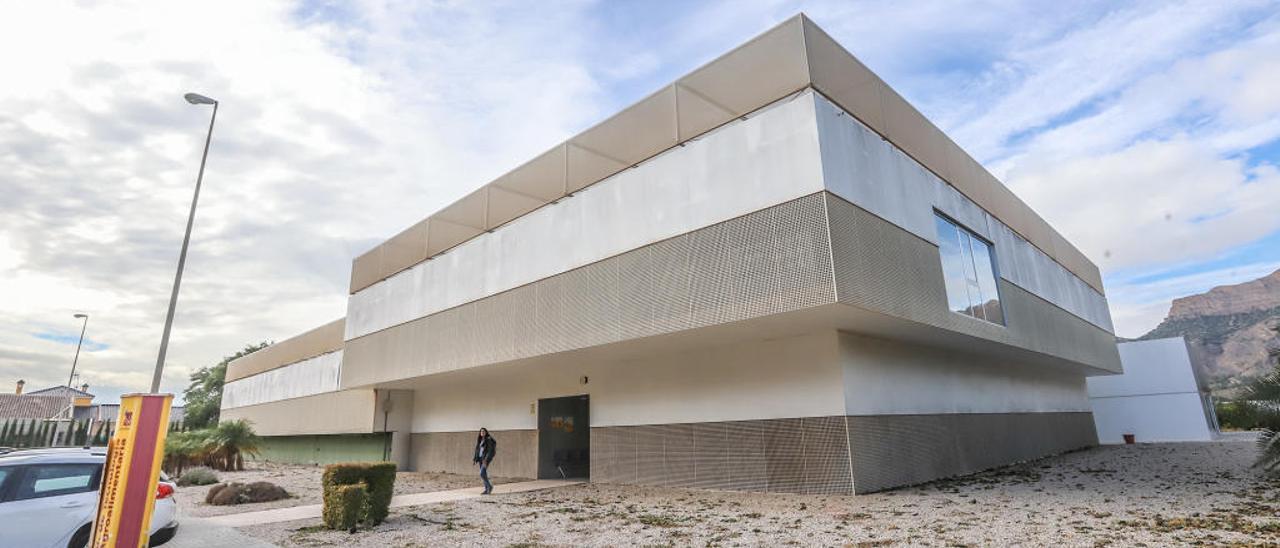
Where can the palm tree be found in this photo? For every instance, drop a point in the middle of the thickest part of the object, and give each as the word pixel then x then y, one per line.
pixel 229 441
pixel 1264 396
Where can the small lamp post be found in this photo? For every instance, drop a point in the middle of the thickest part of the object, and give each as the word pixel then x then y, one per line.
pixel 83 326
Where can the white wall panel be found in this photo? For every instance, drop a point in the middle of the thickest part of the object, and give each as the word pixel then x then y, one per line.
pixel 305 378
pixel 747 165
pixel 884 377
pixel 1156 399
pixel 780 378
pixel 1152 418
pixel 860 166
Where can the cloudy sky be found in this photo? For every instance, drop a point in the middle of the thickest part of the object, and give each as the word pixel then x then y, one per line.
pixel 1148 133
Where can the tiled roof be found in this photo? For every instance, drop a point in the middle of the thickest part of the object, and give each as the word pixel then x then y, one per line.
pixel 29 406
pixel 60 391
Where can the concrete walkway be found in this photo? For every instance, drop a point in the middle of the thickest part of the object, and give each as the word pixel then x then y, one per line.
pixel 416 499
pixel 202 533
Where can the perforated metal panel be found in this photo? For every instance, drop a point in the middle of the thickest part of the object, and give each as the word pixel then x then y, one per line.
pixel 895 450
pixel 800 455
pixel 771 261
pixel 881 267
pixel 451 452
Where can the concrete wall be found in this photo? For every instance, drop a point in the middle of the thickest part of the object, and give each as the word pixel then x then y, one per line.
pixel 325 449
pixel 346 412
pixel 1153 418
pixel 890 378
pixel 321 340
pixel 308 377
pixel 798 376
pixel 1158 398
pixel 451 452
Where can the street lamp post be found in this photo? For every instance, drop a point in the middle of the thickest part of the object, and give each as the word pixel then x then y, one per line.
pixel 77 358
pixel 195 99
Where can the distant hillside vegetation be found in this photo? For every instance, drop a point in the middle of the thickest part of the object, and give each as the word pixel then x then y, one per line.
pixel 1228 329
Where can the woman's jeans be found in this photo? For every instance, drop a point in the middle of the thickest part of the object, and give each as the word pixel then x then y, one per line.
pixel 484 475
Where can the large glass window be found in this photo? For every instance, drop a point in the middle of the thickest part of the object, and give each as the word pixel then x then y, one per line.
pixel 968 271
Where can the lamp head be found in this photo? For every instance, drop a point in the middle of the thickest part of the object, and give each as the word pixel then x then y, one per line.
pixel 197 99
pixel 82 315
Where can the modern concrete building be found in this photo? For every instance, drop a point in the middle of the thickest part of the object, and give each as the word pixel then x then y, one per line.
pixel 1161 396
pixel 773 274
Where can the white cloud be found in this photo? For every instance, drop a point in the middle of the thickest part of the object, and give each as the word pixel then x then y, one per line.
pixel 329 137
pixel 1153 203
pixel 343 123
pixel 1139 306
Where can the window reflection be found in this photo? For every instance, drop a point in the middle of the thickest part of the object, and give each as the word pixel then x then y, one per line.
pixel 968 271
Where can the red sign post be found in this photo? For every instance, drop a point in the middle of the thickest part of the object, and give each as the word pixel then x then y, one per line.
pixel 134 455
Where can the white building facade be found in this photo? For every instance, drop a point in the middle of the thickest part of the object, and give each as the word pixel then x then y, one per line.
pixel 1161 397
pixel 773 274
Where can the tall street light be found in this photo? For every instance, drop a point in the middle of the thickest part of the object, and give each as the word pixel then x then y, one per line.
pixel 195 99
pixel 77 358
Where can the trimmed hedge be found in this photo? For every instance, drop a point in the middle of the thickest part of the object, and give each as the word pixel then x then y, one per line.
pixel 344 506
pixel 357 492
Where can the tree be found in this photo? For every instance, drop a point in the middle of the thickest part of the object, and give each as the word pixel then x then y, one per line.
pixel 229 442
pixel 204 396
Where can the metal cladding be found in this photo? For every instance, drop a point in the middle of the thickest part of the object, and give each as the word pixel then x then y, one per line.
pixel 790 57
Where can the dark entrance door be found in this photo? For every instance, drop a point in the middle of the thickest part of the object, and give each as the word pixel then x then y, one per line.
pixel 564 438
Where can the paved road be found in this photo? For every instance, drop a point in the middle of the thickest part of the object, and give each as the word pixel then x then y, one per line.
pixel 416 499
pixel 202 533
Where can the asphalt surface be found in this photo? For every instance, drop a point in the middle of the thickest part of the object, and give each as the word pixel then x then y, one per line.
pixel 202 533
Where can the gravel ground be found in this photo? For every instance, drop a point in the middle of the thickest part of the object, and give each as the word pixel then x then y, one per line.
pixel 1144 495
pixel 303 484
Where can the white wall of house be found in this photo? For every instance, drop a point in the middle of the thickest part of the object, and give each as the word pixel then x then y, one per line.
pixel 883 377
pixel 781 378
pixel 1157 398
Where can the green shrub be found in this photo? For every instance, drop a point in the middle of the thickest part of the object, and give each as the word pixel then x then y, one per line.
pixel 345 506
pixel 200 475
pixel 377 483
pixel 1237 415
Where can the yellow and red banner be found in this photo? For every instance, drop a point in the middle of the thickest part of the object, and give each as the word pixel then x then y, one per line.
pixel 134 454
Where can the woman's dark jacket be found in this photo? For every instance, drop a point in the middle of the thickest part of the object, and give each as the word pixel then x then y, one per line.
pixel 490 447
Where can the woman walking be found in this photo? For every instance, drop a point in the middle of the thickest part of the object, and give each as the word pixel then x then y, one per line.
pixel 486 447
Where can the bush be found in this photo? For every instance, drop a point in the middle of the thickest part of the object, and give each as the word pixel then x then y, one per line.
pixel 199 475
pixel 225 494
pixel 1238 415
pixel 377 482
pixel 345 506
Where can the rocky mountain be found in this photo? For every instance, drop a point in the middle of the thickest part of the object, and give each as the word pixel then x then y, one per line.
pixel 1229 329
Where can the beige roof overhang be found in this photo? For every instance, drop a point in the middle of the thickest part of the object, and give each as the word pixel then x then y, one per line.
pixel 785 59
pixel 321 340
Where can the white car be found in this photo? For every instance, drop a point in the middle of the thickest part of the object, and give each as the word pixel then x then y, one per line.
pixel 48 498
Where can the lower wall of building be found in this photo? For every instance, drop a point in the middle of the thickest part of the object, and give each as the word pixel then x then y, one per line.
pixel 323 449
pixel 895 450
pixel 802 455
pixel 451 452
pixel 343 412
